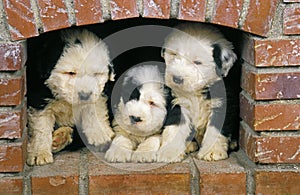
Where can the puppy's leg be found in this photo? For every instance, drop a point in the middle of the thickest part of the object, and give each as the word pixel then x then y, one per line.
pixel 214 145
pixel 147 150
pixel 120 149
pixel 40 144
pixel 174 141
pixel 95 124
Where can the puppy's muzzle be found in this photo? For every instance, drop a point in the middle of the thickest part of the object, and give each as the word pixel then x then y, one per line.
pixel 177 79
pixel 84 96
pixel 134 119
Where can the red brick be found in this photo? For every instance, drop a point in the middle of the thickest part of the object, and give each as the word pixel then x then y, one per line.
pixel 271 86
pixel 270 116
pixel 157 9
pixel 291 20
pixel 54 14
pixel 20 19
pixel 193 10
pixel 155 179
pixel 259 17
pixel 12 156
pixel 121 9
pixel 270 147
pixel 87 12
pixel 12 56
pixel 12 90
pixel 61 177
pixel 12 122
pixel 221 176
pixel 277 181
pixel 227 13
pixel 11 185
pixel 275 52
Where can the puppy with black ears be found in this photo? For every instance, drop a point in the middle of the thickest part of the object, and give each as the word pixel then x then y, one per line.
pixel 197 58
pixel 77 81
pixel 144 116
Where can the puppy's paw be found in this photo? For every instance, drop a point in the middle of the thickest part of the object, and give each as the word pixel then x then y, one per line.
pixel 61 138
pixel 215 153
pixel 144 156
pixel 41 158
pixel 118 154
pixel 97 137
pixel 170 154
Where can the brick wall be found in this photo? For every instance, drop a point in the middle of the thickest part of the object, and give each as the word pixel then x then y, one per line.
pixel 268 162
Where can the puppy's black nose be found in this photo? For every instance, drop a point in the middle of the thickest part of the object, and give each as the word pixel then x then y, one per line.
pixel 84 96
pixel 134 119
pixel 177 79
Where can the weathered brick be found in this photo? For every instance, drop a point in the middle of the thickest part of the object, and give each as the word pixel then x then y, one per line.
pixel 157 9
pixel 227 13
pixel 278 181
pixel 12 90
pixel 291 20
pixel 270 147
pixel 270 85
pixel 259 17
pixel 20 19
pixel 54 14
pixel 270 116
pixel 12 56
pixel 221 176
pixel 193 10
pixel 61 177
pixel 165 179
pixel 11 185
pixel 87 12
pixel 121 9
pixel 275 52
pixel 12 122
pixel 12 155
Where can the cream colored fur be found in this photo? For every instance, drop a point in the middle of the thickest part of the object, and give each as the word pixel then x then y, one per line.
pixel 77 82
pixel 190 69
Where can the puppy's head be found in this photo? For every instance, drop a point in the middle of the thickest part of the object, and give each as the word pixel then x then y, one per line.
pixel 196 56
pixel 142 107
pixel 82 69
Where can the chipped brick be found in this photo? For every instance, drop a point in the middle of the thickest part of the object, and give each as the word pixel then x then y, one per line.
pixel 121 9
pixel 157 9
pixel 87 12
pixel 193 10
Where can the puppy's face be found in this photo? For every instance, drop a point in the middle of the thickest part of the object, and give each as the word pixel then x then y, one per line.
pixel 142 107
pixel 196 57
pixel 143 115
pixel 82 70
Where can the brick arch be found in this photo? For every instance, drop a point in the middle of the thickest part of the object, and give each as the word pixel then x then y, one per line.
pixel 270 106
pixel 26 19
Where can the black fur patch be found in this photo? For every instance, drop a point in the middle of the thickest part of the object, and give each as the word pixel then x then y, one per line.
pixel 130 91
pixel 174 116
pixel 217 51
pixel 77 41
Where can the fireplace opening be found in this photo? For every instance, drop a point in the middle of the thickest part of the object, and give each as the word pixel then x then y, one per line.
pixel 44 51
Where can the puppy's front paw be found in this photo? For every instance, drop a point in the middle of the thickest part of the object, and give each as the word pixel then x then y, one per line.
pixel 118 154
pixel 144 156
pixel 41 158
pixel 97 137
pixel 217 152
pixel 61 138
pixel 170 154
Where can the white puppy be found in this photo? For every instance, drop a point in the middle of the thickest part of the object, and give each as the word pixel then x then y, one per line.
pixel 77 83
pixel 143 109
pixel 197 56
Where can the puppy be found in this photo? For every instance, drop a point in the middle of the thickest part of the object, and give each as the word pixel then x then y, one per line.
pixel 197 57
pixel 76 82
pixel 143 112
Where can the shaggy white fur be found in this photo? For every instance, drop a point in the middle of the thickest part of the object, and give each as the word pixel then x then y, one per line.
pixel 197 56
pixel 77 82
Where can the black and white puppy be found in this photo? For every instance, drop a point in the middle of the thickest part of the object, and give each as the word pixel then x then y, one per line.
pixel 145 119
pixel 197 58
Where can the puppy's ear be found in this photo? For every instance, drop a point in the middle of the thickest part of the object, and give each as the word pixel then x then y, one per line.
pixel 224 58
pixel 111 72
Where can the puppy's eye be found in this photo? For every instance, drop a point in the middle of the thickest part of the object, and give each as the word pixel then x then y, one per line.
pixel 197 62
pixel 151 103
pixel 70 73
